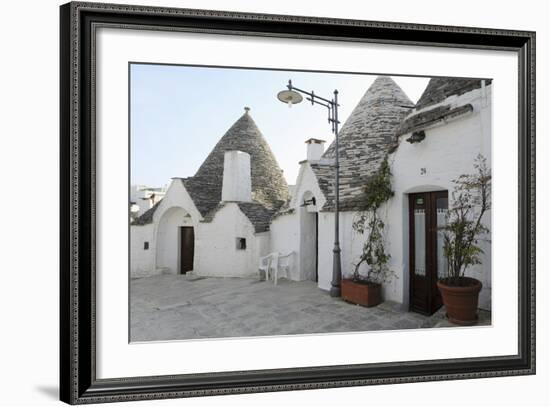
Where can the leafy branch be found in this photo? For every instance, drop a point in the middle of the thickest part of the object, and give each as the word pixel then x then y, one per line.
pixel 377 191
pixel 471 199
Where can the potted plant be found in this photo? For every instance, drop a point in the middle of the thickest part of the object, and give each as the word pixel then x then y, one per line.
pixel 463 232
pixel 367 289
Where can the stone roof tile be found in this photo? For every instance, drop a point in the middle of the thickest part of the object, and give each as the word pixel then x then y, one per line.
pixel 439 89
pixel 430 117
pixel 364 141
pixel 147 216
pixel 269 188
pixel 259 215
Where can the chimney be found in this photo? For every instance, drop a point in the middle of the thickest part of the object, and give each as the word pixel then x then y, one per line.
pixel 315 149
pixel 237 183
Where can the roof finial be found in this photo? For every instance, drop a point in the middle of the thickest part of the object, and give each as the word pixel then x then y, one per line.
pixel 246 109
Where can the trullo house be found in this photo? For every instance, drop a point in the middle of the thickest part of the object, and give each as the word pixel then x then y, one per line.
pixel 215 223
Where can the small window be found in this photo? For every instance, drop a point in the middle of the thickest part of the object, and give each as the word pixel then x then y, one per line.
pixel 145 245
pixel 241 243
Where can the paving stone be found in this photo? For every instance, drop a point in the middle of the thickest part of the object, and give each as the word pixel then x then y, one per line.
pixel 168 307
pixel 406 324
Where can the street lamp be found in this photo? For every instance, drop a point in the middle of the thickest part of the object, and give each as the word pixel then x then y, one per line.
pixel 292 96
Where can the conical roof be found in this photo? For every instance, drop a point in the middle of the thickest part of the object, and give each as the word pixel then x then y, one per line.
pixel 269 188
pixel 434 106
pixel 439 89
pixel 365 139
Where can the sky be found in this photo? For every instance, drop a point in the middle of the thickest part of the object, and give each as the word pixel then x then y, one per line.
pixel 179 113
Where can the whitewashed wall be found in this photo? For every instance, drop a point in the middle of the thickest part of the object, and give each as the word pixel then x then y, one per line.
pixel 176 204
pixel 168 239
pixel 447 151
pixel 237 184
pixel 216 247
pixel 287 231
pixel 306 183
pixel 285 237
pixel 307 244
pixel 326 244
pixel 175 210
pixel 142 262
pixel 216 252
pixel 350 246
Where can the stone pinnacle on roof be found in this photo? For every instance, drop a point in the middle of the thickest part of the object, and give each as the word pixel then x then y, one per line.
pixel 365 138
pixel 269 187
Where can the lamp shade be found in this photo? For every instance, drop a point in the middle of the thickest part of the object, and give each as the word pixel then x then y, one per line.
pixel 289 97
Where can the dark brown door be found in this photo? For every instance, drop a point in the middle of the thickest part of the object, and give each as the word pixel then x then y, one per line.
pixel 187 248
pixel 427 213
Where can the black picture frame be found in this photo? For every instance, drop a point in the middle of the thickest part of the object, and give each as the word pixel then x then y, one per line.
pixel 78 382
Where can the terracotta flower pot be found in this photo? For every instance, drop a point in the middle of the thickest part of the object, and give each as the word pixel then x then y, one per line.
pixel 362 293
pixel 461 299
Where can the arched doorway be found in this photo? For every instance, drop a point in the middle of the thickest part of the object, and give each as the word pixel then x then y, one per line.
pixel 175 241
pixel 309 238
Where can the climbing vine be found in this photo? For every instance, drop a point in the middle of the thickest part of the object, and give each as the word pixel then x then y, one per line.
pixel 378 190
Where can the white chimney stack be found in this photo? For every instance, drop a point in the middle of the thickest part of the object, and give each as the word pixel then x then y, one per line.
pixel 315 149
pixel 237 182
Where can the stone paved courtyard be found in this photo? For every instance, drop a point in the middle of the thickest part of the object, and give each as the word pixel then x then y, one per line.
pixel 169 307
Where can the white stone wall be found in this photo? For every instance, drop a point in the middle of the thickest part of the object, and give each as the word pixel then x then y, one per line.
pixel 288 232
pixel 237 182
pixel 285 237
pixel 216 252
pixel 350 246
pixel 142 262
pixel 306 184
pixel 168 256
pixel 217 247
pixel 447 151
pixel 176 204
pixel 326 245
pixel 175 210
pixel 315 150
pixel 307 243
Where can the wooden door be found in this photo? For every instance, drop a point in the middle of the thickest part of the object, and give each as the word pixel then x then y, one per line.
pixel 187 248
pixel 427 213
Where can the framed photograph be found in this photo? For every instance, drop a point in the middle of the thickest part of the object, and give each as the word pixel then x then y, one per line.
pixel 255 203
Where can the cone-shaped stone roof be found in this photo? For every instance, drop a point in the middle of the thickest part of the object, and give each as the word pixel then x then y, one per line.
pixel 365 139
pixel 269 187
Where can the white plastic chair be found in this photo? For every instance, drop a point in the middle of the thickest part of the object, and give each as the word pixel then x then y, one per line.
pixel 282 263
pixel 266 264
